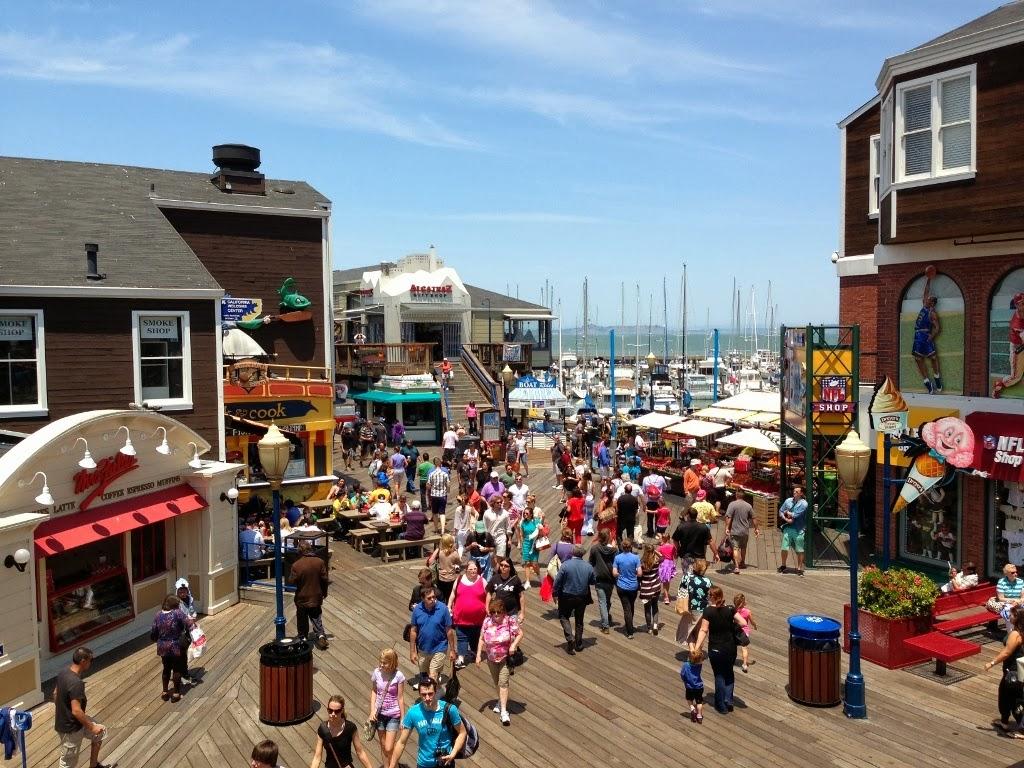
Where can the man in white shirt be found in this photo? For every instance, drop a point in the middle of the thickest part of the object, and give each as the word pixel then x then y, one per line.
pixel 438 483
pixel 520 445
pixel 519 491
pixel 381 510
pixel 449 440
pixel 496 521
pixel 639 443
pixel 626 486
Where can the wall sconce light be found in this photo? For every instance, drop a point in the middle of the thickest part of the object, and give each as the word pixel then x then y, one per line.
pixel 195 463
pixel 163 449
pixel 127 449
pixel 87 461
pixel 18 560
pixel 230 496
pixel 44 498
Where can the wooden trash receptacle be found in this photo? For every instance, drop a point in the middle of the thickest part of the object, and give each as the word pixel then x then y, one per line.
pixel 814 661
pixel 286 682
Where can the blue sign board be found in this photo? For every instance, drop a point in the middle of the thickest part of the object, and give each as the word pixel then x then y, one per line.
pixel 232 310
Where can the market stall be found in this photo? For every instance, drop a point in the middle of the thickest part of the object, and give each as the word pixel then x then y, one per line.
pixel 756 471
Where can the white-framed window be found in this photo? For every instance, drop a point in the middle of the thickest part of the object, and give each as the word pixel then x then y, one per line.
pixel 22 363
pixel 936 125
pixel 875 164
pixel 162 359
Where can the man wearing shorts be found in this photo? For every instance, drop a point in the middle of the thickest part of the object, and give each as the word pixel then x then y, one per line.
pixel 438 483
pixel 739 519
pixel 69 720
pixel 432 640
pixel 926 329
pixel 793 514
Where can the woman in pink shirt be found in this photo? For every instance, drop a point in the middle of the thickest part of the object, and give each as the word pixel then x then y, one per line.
pixel 471 417
pixel 499 637
pixel 468 606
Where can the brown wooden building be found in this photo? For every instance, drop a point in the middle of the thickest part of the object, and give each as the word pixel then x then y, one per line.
pixel 932 170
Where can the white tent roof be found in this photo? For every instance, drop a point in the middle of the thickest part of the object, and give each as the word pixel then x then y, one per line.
pixel 722 414
pixel 655 420
pixel 697 428
pixel 751 401
pixel 751 438
pixel 529 397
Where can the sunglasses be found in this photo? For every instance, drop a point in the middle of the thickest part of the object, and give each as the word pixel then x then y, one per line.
pixel 334 711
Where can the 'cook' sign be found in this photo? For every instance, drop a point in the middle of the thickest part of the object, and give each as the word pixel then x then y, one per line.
pixel 15 328
pixel 153 328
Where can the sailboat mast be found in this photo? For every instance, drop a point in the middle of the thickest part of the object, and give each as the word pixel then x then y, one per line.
pixel 585 322
pixel 664 313
pixel 684 325
pixel 636 367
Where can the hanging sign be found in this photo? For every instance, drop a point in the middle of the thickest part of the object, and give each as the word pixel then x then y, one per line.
pixel 15 328
pixel 158 328
pixel 234 309
pixel 999 445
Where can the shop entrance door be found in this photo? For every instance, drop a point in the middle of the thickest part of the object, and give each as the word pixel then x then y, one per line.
pixel 187 557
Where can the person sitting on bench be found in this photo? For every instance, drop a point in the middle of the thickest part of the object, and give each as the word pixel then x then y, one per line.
pixel 415 522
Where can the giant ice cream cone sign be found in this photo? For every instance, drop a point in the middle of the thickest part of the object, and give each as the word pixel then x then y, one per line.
pixel 888 409
pixel 946 445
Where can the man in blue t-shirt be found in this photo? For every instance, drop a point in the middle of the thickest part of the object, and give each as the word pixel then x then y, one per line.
pixel 432 641
pixel 793 516
pixel 439 741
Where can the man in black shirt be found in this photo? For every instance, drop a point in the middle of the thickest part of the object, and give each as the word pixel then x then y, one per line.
pixel 626 510
pixel 70 721
pixel 692 541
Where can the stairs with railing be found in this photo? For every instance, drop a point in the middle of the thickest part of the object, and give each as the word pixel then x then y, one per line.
pixel 470 382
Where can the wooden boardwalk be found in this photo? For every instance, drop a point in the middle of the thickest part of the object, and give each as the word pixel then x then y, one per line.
pixel 618 703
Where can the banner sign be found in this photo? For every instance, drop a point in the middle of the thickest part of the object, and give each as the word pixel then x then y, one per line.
pixel 234 309
pixel 999 445
pixel 274 410
pixel 436 294
pixel 15 328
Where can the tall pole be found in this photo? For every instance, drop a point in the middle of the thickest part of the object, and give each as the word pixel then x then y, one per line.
pixel 714 369
pixel 886 500
pixel 636 368
pixel 611 376
pixel 684 326
pixel 561 373
pixel 664 312
pixel 279 620
pixel 854 704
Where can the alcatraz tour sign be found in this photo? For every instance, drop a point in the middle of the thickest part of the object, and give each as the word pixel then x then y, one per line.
pixel 999 447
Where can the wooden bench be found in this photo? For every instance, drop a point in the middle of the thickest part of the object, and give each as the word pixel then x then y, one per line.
pixel 360 537
pixel 944 648
pixel 401 546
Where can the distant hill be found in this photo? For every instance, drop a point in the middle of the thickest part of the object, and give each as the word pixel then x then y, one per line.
pixel 620 330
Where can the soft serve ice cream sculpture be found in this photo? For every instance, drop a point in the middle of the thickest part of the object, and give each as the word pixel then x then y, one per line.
pixel 888 409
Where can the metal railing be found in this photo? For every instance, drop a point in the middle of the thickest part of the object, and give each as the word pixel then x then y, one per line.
pixel 494 356
pixel 481 378
pixel 394 359
pixel 280 372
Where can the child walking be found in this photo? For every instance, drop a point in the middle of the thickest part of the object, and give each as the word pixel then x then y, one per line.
pixel 694 685
pixel 740 603
pixel 667 569
pixel 650 586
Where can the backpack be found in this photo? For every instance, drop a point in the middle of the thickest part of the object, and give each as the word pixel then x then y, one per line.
pixel 707 482
pixel 472 737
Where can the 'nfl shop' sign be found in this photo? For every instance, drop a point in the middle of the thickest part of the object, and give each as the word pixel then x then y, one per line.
pixel 998 445
pixel 834 395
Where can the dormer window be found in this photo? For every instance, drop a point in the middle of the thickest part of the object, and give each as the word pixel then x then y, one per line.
pixel 935 126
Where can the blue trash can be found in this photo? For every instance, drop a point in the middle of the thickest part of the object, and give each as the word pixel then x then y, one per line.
pixel 815 656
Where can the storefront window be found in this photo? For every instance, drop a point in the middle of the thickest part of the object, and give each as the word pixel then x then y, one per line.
pixel 534 332
pixel 149 551
pixel 414 414
pixel 163 374
pixel 1006 338
pixel 930 527
pixel 1006 524
pixel 22 370
pixel 87 592
pixel 931 332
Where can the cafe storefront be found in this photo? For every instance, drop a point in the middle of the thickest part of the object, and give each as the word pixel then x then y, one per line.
pixel 100 513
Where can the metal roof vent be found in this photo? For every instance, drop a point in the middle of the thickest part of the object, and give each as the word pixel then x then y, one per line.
pixel 92 262
pixel 238 174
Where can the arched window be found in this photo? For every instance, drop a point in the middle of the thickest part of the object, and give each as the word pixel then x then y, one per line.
pixel 1006 337
pixel 932 336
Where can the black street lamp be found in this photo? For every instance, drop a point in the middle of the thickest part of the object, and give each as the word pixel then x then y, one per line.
pixel 488 302
pixel 275 451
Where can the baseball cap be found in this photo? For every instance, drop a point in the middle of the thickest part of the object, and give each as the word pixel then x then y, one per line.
pixel 494 473
pixel 480 527
pixel 694 462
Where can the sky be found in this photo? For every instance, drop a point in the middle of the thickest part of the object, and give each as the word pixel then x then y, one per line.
pixel 527 140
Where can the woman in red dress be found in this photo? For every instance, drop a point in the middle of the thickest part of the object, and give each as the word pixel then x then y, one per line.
pixel 574 517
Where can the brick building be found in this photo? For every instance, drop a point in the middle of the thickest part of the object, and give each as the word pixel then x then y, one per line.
pixel 932 169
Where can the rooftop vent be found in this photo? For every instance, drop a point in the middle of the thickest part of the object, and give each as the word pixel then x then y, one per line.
pixel 92 262
pixel 238 174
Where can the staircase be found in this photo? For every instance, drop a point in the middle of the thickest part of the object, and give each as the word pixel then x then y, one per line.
pixel 461 390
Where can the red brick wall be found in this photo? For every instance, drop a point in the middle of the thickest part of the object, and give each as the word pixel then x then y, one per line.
pixel 977 279
pixel 858 304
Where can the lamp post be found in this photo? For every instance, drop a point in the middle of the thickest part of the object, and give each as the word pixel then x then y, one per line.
pixel 852 460
pixel 275 451
pixel 651 360
pixel 508 377
pixel 488 303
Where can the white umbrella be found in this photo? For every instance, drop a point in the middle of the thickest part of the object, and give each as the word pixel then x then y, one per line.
pixel 751 438
pixel 238 344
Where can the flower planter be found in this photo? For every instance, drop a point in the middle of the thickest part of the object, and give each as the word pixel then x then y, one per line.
pixel 881 639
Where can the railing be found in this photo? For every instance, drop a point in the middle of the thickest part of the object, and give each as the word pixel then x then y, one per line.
pixel 279 372
pixel 493 357
pixel 392 359
pixel 482 379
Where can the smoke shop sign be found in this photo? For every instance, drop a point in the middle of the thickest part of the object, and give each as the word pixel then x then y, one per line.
pixel 435 294
pixel 96 481
pixel 998 445
pixel 151 328
pixel 15 328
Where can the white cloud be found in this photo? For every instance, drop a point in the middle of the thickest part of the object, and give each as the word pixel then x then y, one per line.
pixel 822 14
pixel 536 29
pixel 318 83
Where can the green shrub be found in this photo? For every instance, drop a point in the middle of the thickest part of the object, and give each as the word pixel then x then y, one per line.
pixel 897 593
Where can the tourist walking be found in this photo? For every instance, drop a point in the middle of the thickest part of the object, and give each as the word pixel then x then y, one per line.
pixel 717 626
pixel 169 625
pixel 602 558
pixel 522 459
pixel 530 530
pixel 423 470
pixel 1011 687
pixel 500 636
pixel 626 508
pixel 653 489
pixel 471 414
pixel 626 570
pixel 792 515
pixel 468 607
pixel 692 540
pixel 693 684
pixel 340 736
pixel 507 585
pixel 462 522
pixel 438 485
pixel 739 602
pixel 607 515
pixel 70 721
pixel 739 521
pixel 189 609
pixel 696 587
pixel 650 586
pixel 309 577
pixel 496 519
pixel 265 755
pixel 572 595
pixel 480 548
pixel 439 728
pixel 399 464
pixel 432 640
pixel 447 562
pixel 387 701
pixel 424 579
pixel 667 568
pixel 575 513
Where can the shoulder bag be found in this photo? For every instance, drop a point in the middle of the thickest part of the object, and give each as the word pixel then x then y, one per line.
pixel 370 725
pixel 737 632
pixel 683 598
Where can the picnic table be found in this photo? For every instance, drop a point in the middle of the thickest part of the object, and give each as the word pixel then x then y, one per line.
pixel 317 506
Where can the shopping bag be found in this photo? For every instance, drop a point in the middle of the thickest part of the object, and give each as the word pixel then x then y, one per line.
pixel 638 533
pixel 198 642
pixel 547 589
pixel 542 543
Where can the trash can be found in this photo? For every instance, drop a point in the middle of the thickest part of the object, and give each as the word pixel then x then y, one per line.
pixel 814 660
pixel 286 681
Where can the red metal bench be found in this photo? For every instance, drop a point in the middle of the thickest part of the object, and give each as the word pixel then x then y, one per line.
pixel 940 644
